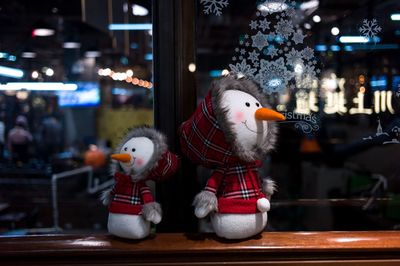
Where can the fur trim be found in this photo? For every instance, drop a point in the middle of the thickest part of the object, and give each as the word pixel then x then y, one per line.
pixel 269 186
pixel 205 202
pixel 223 84
pixel 152 212
pixel 105 196
pixel 160 147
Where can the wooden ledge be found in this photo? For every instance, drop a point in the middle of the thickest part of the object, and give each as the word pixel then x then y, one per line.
pixel 379 246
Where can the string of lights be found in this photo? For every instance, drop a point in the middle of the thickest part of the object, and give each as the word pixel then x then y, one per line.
pixel 127 76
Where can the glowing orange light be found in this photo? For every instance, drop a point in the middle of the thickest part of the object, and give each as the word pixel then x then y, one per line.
pixel 135 81
pixel 141 82
pixel 361 79
pixel 129 79
pixel 362 89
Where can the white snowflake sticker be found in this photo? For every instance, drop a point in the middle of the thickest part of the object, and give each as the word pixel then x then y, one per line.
pixel 273 75
pixel 260 40
pixel 273 51
pixel 214 6
pixel 370 28
pixel 243 68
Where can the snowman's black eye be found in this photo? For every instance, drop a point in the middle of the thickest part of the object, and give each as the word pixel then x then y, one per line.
pixel 133 150
pixel 125 149
pixel 257 104
pixel 247 104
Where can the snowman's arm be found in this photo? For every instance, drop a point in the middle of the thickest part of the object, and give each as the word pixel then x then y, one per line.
pixel 206 201
pixel 268 187
pixel 106 196
pixel 214 181
pixel 151 210
pixel 146 194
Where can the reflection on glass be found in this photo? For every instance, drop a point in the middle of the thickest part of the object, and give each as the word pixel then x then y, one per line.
pixel 71 84
pixel 333 73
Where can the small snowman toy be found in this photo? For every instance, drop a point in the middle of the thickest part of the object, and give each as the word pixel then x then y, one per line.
pixel 141 155
pixel 231 131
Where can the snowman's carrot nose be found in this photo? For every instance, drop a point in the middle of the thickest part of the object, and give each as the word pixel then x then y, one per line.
pixel 268 114
pixel 122 157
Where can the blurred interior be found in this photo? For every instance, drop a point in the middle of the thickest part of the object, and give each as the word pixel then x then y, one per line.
pixel 86 82
pixel 87 73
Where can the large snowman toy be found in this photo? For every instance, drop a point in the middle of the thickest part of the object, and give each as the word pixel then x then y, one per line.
pixel 230 132
pixel 141 155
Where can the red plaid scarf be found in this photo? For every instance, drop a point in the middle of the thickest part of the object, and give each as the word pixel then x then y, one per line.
pixel 235 182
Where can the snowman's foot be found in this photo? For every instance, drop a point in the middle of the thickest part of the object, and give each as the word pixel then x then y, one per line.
pixel 128 226
pixel 205 225
pixel 238 226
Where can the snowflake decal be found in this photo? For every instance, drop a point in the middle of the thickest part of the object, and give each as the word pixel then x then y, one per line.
pixel 253 56
pixel 253 24
pixel 260 40
pixel 308 53
pixel 294 57
pixel 273 76
pixel 243 68
pixel 273 50
pixel 284 28
pixel 370 28
pixel 214 6
pixel 298 37
pixel 264 24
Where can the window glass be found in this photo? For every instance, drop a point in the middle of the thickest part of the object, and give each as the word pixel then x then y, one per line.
pixel 331 67
pixel 75 75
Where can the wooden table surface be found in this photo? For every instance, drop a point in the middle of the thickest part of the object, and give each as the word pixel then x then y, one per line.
pixel 373 248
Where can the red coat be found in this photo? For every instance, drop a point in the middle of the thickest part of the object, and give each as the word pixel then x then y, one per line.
pixel 235 182
pixel 237 188
pixel 128 197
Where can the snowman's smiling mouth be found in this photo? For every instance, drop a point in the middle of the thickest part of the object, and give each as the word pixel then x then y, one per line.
pixel 254 131
pixel 132 162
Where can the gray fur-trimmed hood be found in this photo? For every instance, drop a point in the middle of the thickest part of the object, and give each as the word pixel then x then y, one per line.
pixel 160 148
pixel 246 85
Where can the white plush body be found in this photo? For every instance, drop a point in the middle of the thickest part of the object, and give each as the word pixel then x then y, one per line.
pixel 237 226
pixel 128 226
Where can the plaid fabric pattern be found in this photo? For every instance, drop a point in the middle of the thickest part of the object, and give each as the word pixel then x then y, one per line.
pixel 165 167
pixel 202 139
pixel 127 197
pixel 236 183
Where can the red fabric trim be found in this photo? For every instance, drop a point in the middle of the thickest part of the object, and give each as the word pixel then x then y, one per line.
pixel 146 194
pixel 121 208
pixel 240 206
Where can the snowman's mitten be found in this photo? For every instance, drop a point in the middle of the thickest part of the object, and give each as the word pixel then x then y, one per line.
pixel 263 205
pixel 268 186
pixel 204 203
pixel 105 197
pixel 152 212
